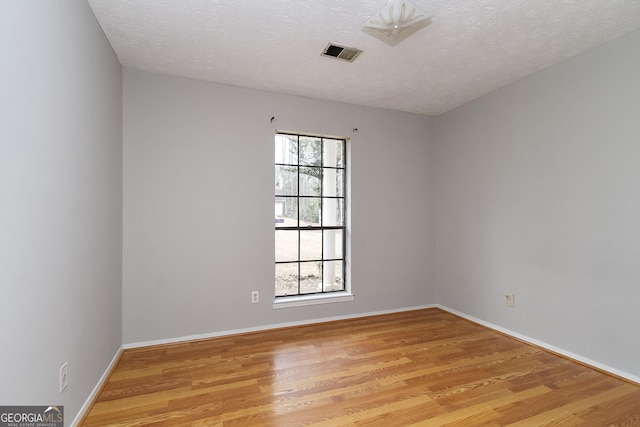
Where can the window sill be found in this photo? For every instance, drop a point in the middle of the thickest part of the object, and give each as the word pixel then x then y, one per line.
pixel 300 301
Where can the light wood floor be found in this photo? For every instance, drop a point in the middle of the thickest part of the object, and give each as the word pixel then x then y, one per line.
pixel 425 367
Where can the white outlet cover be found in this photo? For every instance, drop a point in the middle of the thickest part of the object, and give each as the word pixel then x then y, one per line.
pixel 64 377
pixel 509 300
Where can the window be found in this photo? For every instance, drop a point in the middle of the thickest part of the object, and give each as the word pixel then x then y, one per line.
pixel 310 174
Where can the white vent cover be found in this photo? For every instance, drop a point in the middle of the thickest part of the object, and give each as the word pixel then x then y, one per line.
pixel 341 52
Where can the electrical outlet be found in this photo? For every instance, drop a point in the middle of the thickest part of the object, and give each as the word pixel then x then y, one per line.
pixel 510 300
pixel 255 297
pixel 64 378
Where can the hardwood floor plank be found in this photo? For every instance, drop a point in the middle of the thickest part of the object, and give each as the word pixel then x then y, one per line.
pixel 625 408
pixel 470 414
pixel 424 367
pixel 571 408
pixel 532 407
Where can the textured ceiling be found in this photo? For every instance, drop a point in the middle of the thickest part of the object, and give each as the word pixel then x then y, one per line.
pixel 471 47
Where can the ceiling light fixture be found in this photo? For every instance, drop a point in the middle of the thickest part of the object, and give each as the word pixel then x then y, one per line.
pixel 396 21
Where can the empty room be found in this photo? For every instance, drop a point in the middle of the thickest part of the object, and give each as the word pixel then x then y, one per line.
pixel 337 213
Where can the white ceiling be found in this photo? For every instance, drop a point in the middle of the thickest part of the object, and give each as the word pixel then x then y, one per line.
pixel 471 47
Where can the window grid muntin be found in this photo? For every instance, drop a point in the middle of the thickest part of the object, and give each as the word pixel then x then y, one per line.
pixel 300 228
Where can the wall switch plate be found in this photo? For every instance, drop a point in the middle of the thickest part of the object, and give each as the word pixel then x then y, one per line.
pixel 509 300
pixel 255 297
pixel 64 378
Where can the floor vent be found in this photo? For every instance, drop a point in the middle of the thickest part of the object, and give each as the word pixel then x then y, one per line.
pixel 341 52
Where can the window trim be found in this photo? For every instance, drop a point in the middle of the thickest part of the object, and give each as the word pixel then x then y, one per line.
pixel 331 296
pixel 289 301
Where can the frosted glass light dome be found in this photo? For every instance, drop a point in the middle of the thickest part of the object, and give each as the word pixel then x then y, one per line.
pixel 397 20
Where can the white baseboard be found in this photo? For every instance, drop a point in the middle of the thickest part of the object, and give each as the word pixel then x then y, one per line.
pixel 267 327
pixel 552 348
pixel 97 388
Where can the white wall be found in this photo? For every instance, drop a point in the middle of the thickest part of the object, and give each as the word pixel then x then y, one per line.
pixel 60 209
pixel 198 206
pixel 539 194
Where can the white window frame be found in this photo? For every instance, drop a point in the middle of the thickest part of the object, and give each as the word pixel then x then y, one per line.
pixel 322 296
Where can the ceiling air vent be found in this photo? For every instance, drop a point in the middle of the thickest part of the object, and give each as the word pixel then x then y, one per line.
pixel 341 52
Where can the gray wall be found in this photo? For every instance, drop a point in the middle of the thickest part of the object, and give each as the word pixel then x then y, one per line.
pixel 539 194
pixel 60 211
pixel 198 206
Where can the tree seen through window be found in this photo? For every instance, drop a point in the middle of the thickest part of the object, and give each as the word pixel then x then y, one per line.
pixel 310 214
